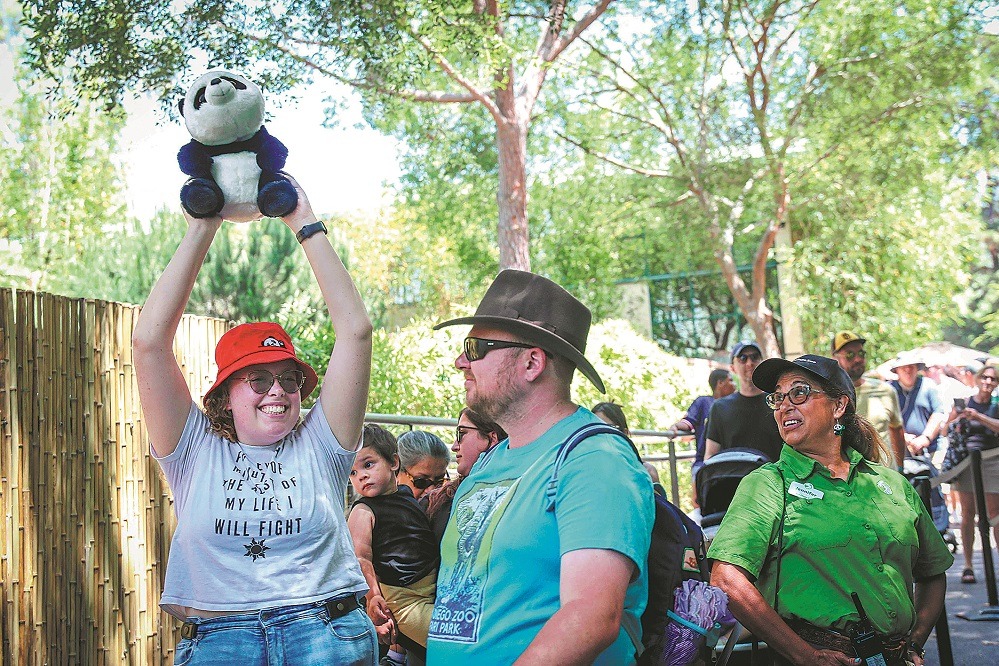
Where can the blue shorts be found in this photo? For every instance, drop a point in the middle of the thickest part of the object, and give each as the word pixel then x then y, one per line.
pixel 302 635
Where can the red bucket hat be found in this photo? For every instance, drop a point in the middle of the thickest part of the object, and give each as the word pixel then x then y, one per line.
pixel 252 344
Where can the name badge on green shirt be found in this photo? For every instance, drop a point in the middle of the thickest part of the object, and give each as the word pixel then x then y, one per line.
pixel 804 490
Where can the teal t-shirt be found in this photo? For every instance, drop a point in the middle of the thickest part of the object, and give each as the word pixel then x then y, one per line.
pixel 499 576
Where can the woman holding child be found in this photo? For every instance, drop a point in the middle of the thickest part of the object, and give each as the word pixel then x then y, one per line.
pixel 825 521
pixel 261 568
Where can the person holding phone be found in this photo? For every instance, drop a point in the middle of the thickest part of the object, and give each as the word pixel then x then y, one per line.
pixel 977 422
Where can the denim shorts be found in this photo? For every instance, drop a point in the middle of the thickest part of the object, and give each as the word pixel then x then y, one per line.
pixel 295 635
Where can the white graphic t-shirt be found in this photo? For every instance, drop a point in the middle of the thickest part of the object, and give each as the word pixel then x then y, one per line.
pixel 258 526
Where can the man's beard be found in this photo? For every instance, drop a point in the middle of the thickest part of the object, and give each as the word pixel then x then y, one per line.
pixel 497 407
pixel 856 372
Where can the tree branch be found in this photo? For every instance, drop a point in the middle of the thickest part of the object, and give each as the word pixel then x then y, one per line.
pixel 582 24
pixel 456 76
pixel 671 136
pixel 895 108
pixel 654 173
pixel 363 84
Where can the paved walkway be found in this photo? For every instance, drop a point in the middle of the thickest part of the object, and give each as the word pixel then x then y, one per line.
pixel 973 643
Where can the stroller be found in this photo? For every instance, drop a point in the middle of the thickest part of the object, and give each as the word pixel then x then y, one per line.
pixel 915 467
pixel 717 481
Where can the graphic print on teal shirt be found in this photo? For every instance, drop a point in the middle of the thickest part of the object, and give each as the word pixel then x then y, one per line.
pixel 458 609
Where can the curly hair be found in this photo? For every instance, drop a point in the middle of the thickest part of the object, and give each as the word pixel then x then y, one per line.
pixel 219 416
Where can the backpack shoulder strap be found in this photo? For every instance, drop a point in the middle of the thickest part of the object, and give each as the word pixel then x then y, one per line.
pixel 564 449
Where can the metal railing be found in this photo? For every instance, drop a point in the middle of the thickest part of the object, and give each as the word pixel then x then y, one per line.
pixel 640 437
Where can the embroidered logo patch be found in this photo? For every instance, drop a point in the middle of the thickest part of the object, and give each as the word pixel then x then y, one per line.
pixel 272 342
pixel 883 486
pixel 690 560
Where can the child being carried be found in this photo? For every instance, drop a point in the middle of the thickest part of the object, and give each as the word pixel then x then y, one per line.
pixel 394 544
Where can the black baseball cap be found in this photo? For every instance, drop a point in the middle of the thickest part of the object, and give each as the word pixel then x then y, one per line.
pixel 740 346
pixel 767 373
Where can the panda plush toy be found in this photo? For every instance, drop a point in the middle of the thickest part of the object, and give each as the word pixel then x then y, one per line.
pixel 233 163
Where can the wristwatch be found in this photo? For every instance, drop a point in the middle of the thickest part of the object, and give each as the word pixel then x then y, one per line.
pixel 310 230
pixel 916 648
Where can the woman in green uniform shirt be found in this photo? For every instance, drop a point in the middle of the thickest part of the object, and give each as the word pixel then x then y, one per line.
pixel 825 521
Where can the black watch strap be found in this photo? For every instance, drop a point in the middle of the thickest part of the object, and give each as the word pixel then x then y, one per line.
pixel 310 230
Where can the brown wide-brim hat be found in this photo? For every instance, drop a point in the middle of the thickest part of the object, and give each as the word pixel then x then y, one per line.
pixel 539 312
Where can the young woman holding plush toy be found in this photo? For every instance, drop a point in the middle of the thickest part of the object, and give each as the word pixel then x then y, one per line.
pixel 261 568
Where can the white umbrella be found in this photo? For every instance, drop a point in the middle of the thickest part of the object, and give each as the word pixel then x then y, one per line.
pixel 938 353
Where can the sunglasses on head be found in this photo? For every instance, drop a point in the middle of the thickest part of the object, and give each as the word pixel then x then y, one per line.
pixel 461 431
pixel 477 348
pixel 261 381
pixel 797 395
pixel 424 482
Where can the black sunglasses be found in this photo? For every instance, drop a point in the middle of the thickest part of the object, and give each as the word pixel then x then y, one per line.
pixel 476 348
pixel 461 431
pixel 746 358
pixel 850 355
pixel 423 482
pixel 261 381
pixel 797 395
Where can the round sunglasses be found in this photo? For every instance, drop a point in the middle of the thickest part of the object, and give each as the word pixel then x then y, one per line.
pixel 797 395
pixel 261 381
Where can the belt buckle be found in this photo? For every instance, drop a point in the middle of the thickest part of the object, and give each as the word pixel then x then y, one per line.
pixel 189 630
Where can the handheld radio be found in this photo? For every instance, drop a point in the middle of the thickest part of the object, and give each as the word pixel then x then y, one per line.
pixel 865 640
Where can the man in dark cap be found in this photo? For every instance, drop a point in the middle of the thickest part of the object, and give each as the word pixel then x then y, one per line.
pixel 519 579
pixel 743 420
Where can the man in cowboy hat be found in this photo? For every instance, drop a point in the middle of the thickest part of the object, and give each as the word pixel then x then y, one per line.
pixel 516 579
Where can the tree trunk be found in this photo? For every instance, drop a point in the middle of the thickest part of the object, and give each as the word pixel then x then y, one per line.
pixel 512 232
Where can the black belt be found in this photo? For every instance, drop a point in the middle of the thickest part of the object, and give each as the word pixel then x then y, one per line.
pixel 336 607
pixel 342 605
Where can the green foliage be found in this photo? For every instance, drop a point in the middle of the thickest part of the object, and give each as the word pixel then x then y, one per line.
pixel 60 188
pixel 756 115
pixel 898 292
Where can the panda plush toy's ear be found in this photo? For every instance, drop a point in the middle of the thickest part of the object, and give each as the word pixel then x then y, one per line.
pixel 180 106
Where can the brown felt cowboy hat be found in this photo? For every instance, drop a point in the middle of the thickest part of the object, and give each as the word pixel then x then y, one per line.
pixel 539 312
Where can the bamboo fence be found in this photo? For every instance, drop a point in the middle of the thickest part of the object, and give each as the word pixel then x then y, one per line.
pixel 86 515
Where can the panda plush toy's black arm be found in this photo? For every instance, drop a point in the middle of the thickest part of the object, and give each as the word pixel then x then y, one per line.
pixel 194 160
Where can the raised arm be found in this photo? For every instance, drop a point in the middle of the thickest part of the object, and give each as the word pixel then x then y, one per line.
pixel 163 392
pixel 344 392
